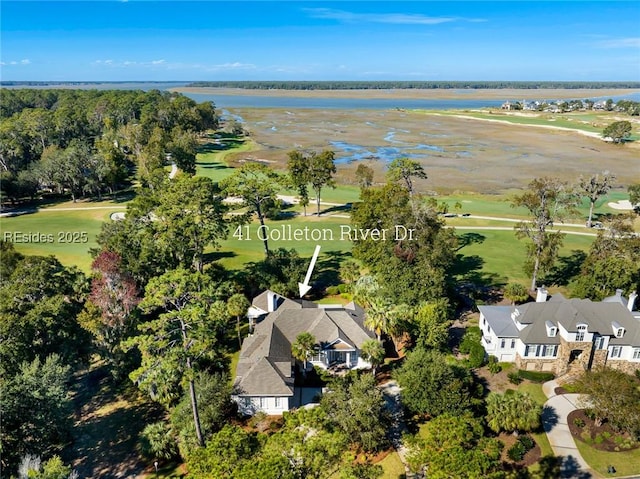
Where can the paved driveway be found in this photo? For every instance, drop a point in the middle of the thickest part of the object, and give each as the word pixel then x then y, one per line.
pixel 554 422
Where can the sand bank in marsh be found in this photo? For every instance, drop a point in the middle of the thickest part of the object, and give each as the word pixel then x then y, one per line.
pixel 436 94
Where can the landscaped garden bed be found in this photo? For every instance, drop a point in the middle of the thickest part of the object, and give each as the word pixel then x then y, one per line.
pixel 603 437
pixel 522 447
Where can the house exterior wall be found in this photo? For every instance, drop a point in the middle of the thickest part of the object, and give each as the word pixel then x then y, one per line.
pixel 272 405
pixel 494 347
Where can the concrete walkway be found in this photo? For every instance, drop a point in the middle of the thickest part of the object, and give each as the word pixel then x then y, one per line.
pixel 554 422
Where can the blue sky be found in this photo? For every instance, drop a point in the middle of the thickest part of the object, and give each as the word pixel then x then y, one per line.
pixel 306 40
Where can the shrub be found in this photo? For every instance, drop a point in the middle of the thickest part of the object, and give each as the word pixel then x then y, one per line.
pixel 333 290
pixel 476 355
pixel 536 376
pixel 579 422
pixel 158 442
pixel 590 414
pixel 472 335
pixel 606 435
pixel 514 378
pixel 493 365
pixel 516 452
pixel 343 288
pixel 527 442
pixel 599 439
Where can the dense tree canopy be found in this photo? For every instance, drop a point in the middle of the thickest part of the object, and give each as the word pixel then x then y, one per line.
pixel 513 412
pixel 85 142
pixel 613 395
pixel 454 446
pixel 36 411
pixel 356 406
pixel 618 131
pixel 421 260
pixel 39 303
pixel 612 263
pixel 431 386
pixel 167 227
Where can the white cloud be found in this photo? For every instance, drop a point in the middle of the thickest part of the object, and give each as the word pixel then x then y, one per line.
pixel 390 18
pixel 231 66
pixel 23 62
pixel 157 62
pixel 632 42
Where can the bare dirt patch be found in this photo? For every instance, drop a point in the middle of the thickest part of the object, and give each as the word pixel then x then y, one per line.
pixel 458 153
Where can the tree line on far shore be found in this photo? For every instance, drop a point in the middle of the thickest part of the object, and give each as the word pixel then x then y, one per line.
pixel 428 85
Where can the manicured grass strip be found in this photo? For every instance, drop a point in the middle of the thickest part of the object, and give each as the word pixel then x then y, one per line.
pixel 392 467
pixel 534 390
pixel 243 248
pixel 68 235
pixel 499 255
pixel 211 161
pixel 626 463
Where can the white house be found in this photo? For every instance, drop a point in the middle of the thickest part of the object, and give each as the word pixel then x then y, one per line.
pixel 561 335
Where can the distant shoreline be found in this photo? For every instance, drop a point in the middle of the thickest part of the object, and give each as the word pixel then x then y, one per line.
pixel 439 94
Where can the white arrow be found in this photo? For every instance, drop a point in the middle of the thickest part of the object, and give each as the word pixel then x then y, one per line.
pixel 304 287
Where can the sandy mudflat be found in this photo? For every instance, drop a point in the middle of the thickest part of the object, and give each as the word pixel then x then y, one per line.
pixel 458 153
pixel 435 94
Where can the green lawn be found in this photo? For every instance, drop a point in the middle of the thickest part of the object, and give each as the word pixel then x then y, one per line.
pixel 500 205
pixel 238 250
pixel 68 235
pixel 498 256
pixel 211 163
pixel 392 467
pixel 626 463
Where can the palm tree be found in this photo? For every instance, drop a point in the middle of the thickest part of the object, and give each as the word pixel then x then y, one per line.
pixel 512 412
pixel 379 316
pixel 237 306
pixel 373 352
pixel 302 347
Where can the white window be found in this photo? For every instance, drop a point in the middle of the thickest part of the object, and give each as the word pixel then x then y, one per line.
pixel 636 353
pixel 600 342
pixel 513 343
pixel 581 330
pixel 277 402
pixel 615 352
pixel 619 332
pixel 247 401
pixel 263 403
pixel 503 343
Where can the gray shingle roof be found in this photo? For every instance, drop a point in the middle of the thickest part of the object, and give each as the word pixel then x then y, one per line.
pixel 267 353
pixel 598 316
pixel 499 319
pixel 263 379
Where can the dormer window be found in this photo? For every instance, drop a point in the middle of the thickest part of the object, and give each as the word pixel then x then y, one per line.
pixel 582 329
pixel 552 330
pixel 618 330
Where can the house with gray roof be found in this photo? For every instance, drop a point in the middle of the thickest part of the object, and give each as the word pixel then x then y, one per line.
pixel 265 375
pixel 563 335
